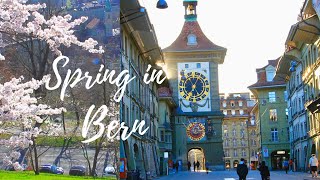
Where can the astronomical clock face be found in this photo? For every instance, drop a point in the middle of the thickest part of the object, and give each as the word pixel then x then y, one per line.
pixel 196 131
pixel 194 87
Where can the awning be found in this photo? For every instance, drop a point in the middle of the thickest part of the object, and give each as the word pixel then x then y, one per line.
pixel 305 31
pixel 285 63
pixel 314 106
pixel 141 29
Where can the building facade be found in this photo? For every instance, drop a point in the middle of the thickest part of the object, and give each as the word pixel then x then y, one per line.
pixel 272 114
pixel 192 64
pixel 141 100
pixel 299 66
pixel 165 129
pixel 239 133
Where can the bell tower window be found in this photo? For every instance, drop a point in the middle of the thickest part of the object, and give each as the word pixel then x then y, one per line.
pixel 190 10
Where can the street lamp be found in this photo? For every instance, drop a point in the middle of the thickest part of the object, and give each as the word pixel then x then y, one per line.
pixel 162 4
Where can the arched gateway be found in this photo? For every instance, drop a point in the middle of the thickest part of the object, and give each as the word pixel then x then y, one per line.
pixel 192 61
pixel 197 155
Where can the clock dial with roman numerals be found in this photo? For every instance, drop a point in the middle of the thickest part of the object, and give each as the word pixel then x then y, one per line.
pixel 194 86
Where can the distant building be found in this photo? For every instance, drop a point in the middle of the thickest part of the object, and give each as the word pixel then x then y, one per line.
pixel 272 115
pixel 239 140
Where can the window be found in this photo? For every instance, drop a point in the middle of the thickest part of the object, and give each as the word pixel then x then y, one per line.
pixel 226 143
pixel 224 104
pixel 253 153
pixel 162 136
pixel 198 65
pixel 253 142
pixel 233 112
pixel 244 154
pixel 273 115
pixel 226 133
pixel 226 153
pixel 232 104
pixel 274 134
pixel 270 75
pixel 285 94
pixel 186 66
pixel 242 133
pixel 234 143
pixel 272 96
pixel 243 143
pixel 240 103
pixel 234 132
pixel 241 112
pixel 235 153
pixel 192 39
pixel 225 112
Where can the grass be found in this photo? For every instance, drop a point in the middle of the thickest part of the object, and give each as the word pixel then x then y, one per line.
pixel 29 175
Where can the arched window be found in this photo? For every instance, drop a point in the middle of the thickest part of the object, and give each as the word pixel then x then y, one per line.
pixel 192 39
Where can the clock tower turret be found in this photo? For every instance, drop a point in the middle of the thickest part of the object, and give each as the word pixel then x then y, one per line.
pixel 192 61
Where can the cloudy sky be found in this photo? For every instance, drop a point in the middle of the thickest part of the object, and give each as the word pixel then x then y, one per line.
pixel 253 31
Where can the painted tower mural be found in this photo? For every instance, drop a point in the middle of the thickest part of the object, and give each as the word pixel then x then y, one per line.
pixel 192 61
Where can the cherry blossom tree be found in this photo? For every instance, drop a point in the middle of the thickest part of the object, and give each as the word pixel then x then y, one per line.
pixel 19 108
pixel 39 33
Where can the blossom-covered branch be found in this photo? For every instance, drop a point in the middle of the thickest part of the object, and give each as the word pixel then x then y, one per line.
pixel 17 18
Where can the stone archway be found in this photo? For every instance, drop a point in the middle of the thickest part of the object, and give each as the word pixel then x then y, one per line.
pixel 196 155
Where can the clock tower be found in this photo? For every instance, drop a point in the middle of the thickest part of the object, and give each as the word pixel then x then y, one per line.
pixel 192 61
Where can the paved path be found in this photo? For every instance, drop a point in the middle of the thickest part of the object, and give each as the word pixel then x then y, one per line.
pixel 232 175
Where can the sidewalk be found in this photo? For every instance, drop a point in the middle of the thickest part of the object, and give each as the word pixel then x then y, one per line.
pixel 232 175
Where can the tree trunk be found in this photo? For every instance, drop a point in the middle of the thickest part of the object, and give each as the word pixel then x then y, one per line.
pixel 95 159
pixel 36 161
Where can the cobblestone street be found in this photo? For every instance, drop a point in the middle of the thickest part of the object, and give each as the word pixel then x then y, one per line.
pixel 232 175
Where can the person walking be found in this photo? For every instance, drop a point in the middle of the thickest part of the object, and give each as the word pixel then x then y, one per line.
pixel 291 165
pixel 264 171
pixel 207 167
pixel 177 166
pixel 198 165
pixel 194 166
pixel 189 166
pixel 286 165
pixel 313 165
pixel 242 170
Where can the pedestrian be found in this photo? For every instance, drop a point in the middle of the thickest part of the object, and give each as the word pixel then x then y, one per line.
pixel 313 165
pixel 264 171
pixel 291 165
pixel 189 166
pixel 286 165
pixel 198 165
pixel 194 166
pixel 242 170
pixel 207 167
pixel 177 166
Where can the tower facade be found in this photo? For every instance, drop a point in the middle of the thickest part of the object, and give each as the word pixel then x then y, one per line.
pixel 192 61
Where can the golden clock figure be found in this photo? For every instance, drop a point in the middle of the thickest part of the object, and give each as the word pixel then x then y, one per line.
pixel 194 86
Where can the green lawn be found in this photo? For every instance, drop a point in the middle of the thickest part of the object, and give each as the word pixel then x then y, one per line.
pixel 8 175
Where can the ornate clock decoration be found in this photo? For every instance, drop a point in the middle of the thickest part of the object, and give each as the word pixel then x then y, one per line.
pixel 196 131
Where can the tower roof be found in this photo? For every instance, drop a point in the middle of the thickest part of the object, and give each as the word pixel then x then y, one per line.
pixel 203 43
